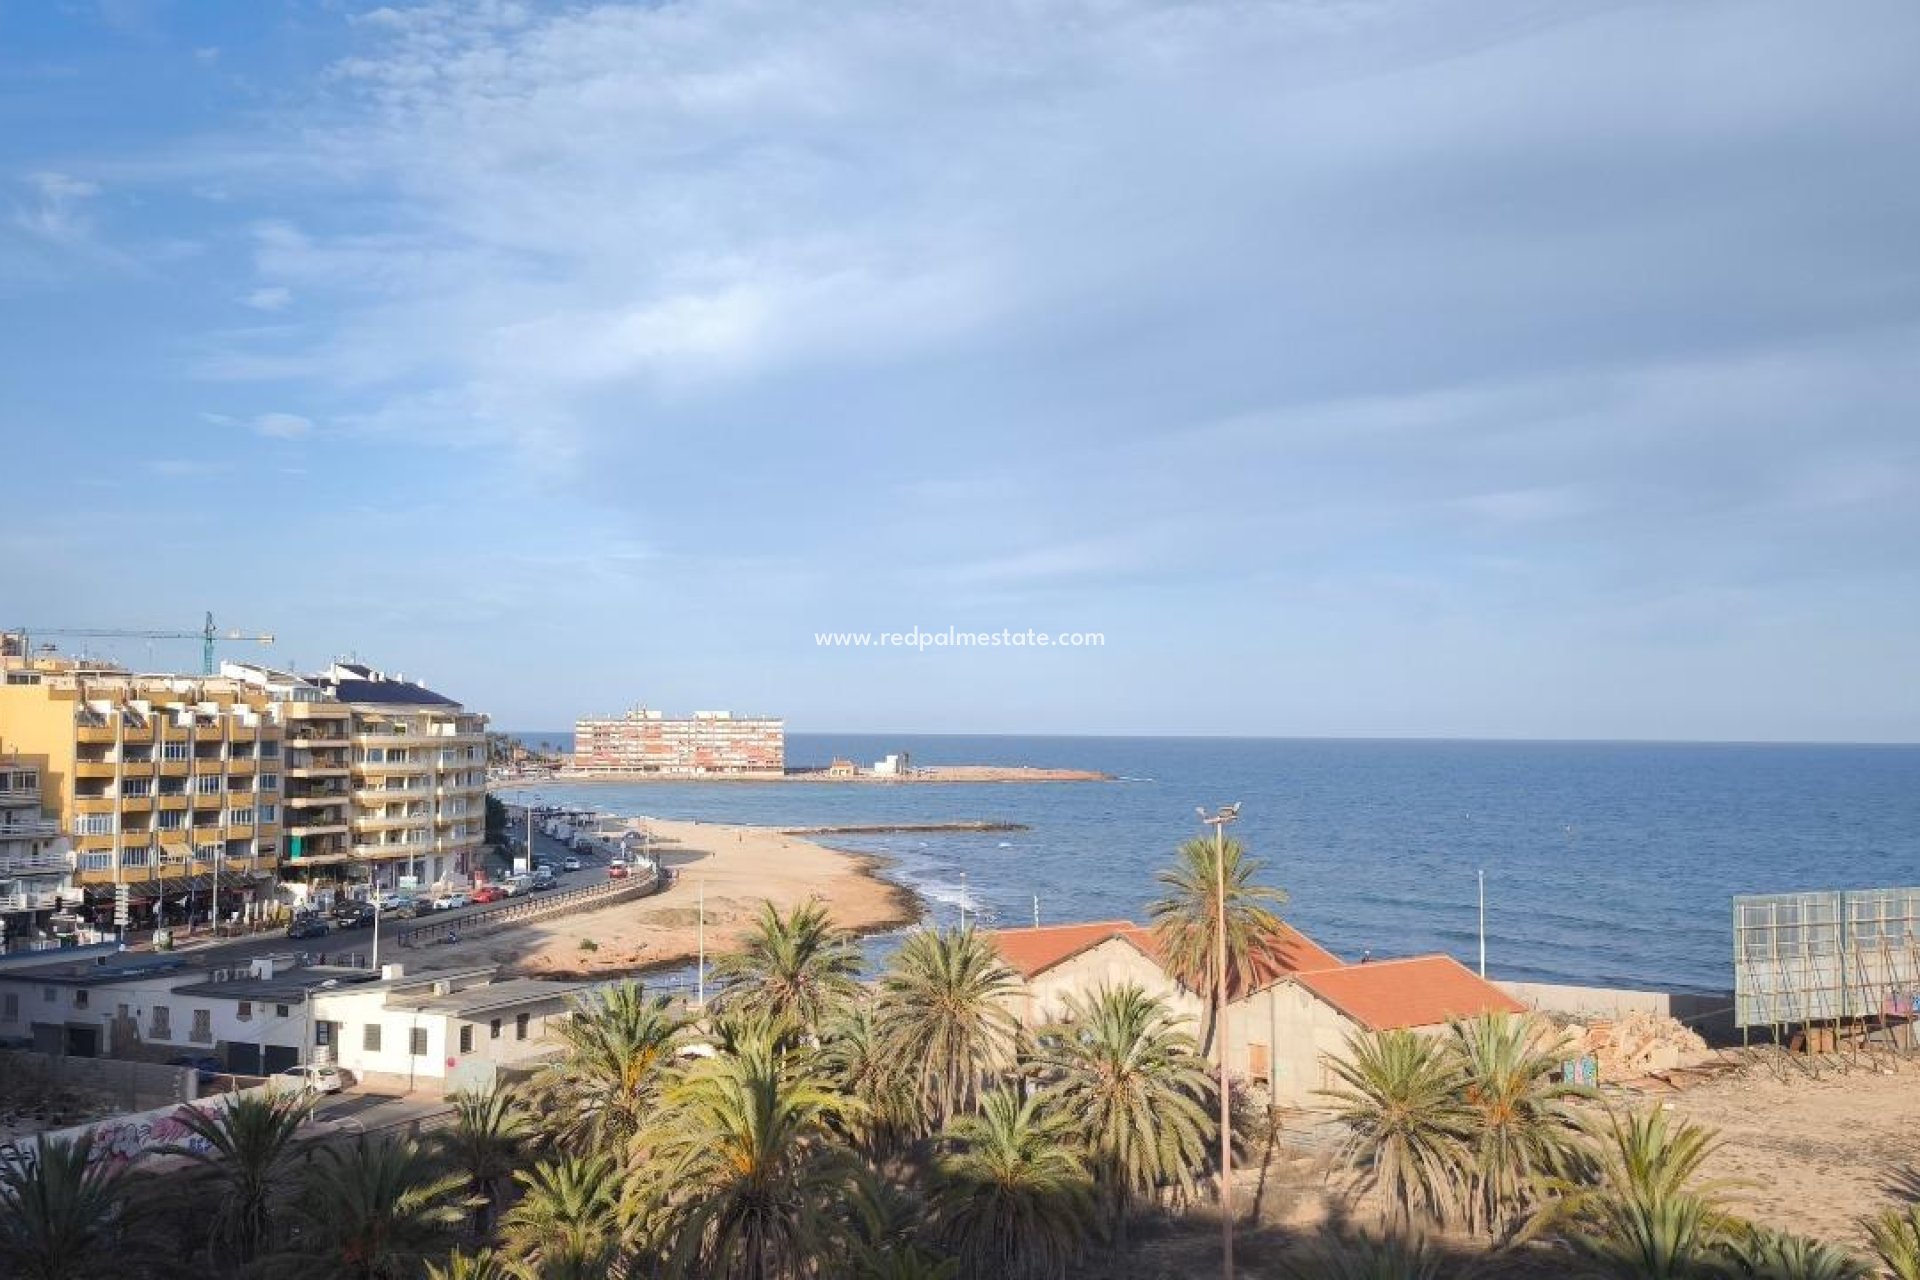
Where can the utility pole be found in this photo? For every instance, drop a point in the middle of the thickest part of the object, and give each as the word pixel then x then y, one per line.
pixel 1218 821
pixel 1483 922
pixel 703 945
pixel 963 900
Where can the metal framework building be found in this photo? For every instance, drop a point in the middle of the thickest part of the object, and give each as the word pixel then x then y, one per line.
pixel 1829 964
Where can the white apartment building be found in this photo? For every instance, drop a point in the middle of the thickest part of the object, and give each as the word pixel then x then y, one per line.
pixel 36 863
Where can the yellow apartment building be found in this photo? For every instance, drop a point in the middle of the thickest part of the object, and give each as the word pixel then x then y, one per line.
pixel 167 786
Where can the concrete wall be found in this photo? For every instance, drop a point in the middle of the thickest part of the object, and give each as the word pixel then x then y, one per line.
pixel 1710 1014
pixel 119 1140
pixel 1297 1031
pixel 132 1086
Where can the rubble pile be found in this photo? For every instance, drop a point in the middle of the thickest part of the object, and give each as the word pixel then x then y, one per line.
pixel 1636 1044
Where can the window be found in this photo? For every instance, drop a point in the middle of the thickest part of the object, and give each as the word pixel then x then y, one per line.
pixel 202 1026
pixel 269 750
pixel 279 1011
pixel 80 998
pixel 136 787
pixel 269 813
pixel 370 1037
pixel 206 853
pixel 493 1035
pixel 94 824
pixel 520 1026
pixel 466 1035
pixel 160 1023
pixel 209 784
pixel 172 819
pixel 48 995
pixel 10 1007
pixel 240 817
pixel 96 862
pixel 245 1012
pixel 136 857
pixel 1260 1063
pixel 174 750
pixel 269 782
pixel 417 1042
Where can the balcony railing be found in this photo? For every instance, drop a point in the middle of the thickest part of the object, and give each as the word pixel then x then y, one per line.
pixel 44 901
pixel 19 795
pixel 36 864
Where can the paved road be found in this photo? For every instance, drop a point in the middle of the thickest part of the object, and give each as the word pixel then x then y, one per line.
pixel 340 944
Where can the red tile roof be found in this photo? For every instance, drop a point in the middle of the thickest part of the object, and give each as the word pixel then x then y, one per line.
pixel 1033 951
pixel 1420 991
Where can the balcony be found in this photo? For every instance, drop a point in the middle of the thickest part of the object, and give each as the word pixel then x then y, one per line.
pixel 96 733
pixel 33 864
pixel 317 771
pixel 322 828
pixel 27 829
pixel 19 795
pixel 41 900
pixel 392 766
pixel 242 764
pixel 238 731
pixel 95 768
pixel 381 822
pixel 95 804
pixel 140 802
pixel 391 852
pixel 175 768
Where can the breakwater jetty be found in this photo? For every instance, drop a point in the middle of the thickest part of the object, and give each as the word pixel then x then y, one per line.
pixel 902 828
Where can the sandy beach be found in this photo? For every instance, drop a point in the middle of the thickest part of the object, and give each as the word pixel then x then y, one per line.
pixel 740 868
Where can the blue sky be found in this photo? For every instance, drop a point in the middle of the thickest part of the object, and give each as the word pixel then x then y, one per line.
pixel 1469 369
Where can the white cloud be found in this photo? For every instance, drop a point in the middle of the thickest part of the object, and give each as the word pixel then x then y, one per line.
pixel 269 298
pixel 57 210
pixel 282 426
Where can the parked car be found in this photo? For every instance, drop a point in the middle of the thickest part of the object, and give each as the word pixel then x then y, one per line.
pixel 570 864
pixel 451 901
pixel 353 915
pixel 207 1068
pixel 311 1079
pixel 389 901
pixel 542 884
pixel 488 893
pixel 308 927
pixel 514 886
pixel 617 870
pixel 406 908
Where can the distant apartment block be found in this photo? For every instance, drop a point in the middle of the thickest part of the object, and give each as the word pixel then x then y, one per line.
pixel 36 862
pixel 706 743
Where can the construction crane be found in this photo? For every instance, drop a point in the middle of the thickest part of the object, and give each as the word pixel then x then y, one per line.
pixel 206 635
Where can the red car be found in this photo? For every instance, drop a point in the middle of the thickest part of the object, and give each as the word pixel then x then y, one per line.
pixel 488 893
pixel 616 871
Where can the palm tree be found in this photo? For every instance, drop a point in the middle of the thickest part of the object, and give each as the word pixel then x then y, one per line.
pixel 902 1262
pixel 373 1210
pixel 485 1265
pixel 945 1014
pixel 798 967
pixel 1764 1254
pixel 490 1129
pixel 1401 1099
pixel 1896 1241
pixel 1519 1127
pixel 247 1145
pixel 619 1044
pixel 864 1067
pixel 61 1217
pixel 567 1224
pixel 744 1152
pixel 1125 1075
pixel 1365 1258
pixel 1647 1214
pixel 1185 921
pixel 1012 1197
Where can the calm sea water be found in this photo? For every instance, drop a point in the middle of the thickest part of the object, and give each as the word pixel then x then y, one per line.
pixel 1606 863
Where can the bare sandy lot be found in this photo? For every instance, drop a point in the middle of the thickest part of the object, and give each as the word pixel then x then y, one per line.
pixel 739 867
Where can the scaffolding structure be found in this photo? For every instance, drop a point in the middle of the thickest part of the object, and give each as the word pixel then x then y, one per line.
pixel 1834 974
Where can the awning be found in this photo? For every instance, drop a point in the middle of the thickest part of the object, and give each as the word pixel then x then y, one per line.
pixel 148 890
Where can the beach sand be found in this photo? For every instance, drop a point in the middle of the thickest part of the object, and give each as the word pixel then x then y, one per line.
pixel 740 866
pixel 1817 1155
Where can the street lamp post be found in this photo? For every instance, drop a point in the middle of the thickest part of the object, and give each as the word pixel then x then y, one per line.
pixel 1218 821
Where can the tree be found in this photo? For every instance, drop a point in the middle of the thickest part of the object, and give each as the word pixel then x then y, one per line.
pixel 862 1065
pixel 371 1210
pixel 1519 1128
pixel 1011 1196
pixel 485 1265
pixel 489 1131
pixel 1896 1241
pixel 744 1153
pixel 619 1044
pixel 944 1013
pixel 249 1151
pixel 1127 1077
pixel 1185 921
pixel 798 967
pixel 62 1217
pixel 1400 1098
pixel 567 1224
pixel 1365 1258
pixel 1760 1253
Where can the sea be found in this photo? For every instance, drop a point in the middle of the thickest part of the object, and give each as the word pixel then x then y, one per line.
pixel 1609 864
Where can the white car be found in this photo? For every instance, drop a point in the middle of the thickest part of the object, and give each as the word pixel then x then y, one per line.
pixel 312 1079
pixel 514 886
pixel 448 901
pixel 388 901
pixel 570 864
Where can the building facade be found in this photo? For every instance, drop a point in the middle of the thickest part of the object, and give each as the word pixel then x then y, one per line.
pixel 387 779
pixel 36 862
pixel 168 787
pixel 708 742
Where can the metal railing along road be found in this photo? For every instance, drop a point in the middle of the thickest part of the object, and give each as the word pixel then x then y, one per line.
pixel 529 906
